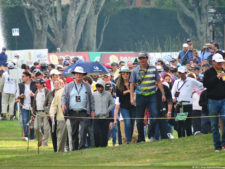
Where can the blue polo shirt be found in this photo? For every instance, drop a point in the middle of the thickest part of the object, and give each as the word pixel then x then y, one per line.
pixel 187 54
pixel 3 59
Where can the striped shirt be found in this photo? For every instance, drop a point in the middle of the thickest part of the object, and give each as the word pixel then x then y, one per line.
pixel 145 80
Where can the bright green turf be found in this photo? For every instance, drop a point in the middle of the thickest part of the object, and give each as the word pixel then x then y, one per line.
pixel 177 153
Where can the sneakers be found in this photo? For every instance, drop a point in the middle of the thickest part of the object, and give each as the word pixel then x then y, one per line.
pixel 12 118
pixel 223 147
pixel 197 133
pixel 218 149
pixel 26 138
pixel 3 118
pixel 170 136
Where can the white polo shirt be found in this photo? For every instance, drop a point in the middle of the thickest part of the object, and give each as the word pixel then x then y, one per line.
pixel 185 88
pixel 40 99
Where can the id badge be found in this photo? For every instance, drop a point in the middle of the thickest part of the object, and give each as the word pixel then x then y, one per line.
pixel 78 99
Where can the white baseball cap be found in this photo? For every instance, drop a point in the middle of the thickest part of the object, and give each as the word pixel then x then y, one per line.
pixel 182 69
pixel 185 45
pixel 79 69
pixel 218 58
pixel 54 72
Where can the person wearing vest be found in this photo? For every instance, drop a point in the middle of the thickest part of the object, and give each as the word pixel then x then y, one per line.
pixel 8 89
pixel 25 97
pixel 214 81
pixel 41 117
pixel 144 79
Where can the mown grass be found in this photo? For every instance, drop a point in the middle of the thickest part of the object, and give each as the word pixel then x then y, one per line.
pixel 195 151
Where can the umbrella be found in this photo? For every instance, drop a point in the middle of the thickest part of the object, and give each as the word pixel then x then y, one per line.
pixel 89 67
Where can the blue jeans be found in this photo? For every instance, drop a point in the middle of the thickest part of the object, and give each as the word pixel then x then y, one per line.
pixel 25 118
pixel 129 123
pixel 114 134
pixel 143 102
pixel 217 107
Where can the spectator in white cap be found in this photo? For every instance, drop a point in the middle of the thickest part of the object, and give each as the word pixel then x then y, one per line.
pixel 214 81
pixel 8 89
pixel 182 94
pixel 16 60
pixel 185 55
pixel 77 101
pixel 54 74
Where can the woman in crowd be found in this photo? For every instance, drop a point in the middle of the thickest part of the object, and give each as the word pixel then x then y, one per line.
pixel 123 95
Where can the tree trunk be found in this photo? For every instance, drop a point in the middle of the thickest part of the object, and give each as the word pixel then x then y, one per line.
pixel 199 15
pixel 89 39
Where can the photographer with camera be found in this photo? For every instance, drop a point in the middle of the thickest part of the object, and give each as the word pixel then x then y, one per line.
pixel 182 95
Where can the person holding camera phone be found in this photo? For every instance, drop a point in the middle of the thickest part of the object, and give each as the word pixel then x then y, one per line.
pixel 182 94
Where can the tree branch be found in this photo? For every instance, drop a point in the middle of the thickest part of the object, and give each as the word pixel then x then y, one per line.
pixel 28 20
pixel 186 11
pixel 106 22
pixel 183 24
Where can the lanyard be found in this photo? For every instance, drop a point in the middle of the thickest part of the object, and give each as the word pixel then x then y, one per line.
pixel 78 91
pixel 181 85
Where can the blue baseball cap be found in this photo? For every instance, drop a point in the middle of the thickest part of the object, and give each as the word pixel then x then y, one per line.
pixel 3 48
pixel 41 81
pixel 188 40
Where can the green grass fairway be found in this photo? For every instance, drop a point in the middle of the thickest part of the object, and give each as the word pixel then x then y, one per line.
pixel 191 152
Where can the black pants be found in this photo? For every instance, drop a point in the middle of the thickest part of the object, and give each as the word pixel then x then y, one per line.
pixel 90 132
pixel 184 127
pixel 196 122
pixel 75 122
pixel 101 129
pixel 53 134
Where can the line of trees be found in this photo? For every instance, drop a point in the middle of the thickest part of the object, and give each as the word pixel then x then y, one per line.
pixel 68 25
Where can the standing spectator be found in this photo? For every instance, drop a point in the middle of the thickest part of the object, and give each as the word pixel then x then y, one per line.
pixel 121 64
pixel 56 113
pixel 115 70
pixel 8 89
pixel 3 58
pixel 213 51
pixel 26 96
pixel 144 78
pixel 77 101
pixel 205 122
pixel 182 94
pixel 41 124
pixel 103 106
pixel 126 108
pixel 185 55
pixel 54 74
pixel 217 49
pixel 205 52
pixel 48 101
pixel 196 58
pixel 214 81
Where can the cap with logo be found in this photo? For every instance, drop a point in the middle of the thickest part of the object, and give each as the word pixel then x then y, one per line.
pixel 79 69
pixel 54 72
pixel 185 45
pixel 143 55
pixel 218 58
pixel 124 69
pixel 182 69
pixel 41 81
